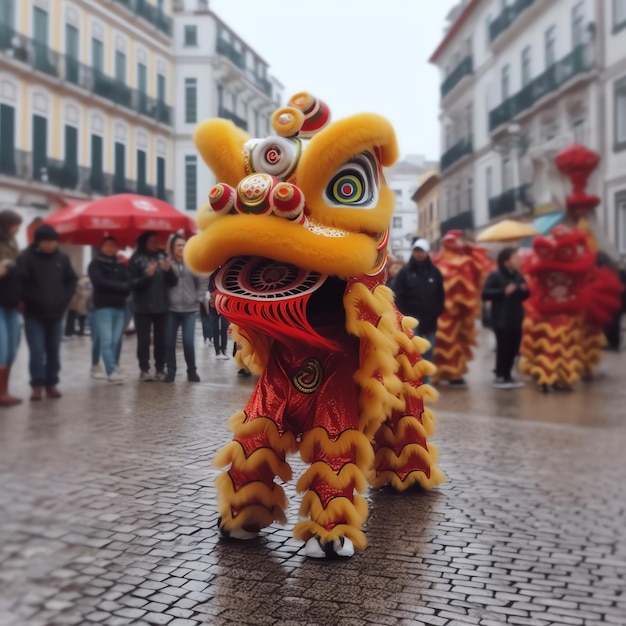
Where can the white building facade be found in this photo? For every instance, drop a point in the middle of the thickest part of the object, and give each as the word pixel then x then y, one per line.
pixel 614 113
pixel 521 80
pixel 217 75
pixel 403 178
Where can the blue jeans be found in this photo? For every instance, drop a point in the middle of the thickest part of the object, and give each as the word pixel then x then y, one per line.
pixel 188 323
pixel 428 355
pixel 44 343
pixel 9 335
pixel 109 326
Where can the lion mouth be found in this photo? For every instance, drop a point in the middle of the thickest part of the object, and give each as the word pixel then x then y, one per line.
pixel 280 299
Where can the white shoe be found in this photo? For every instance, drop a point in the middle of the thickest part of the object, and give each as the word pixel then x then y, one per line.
pixel 115 377
pixel 98 372
pixel 221 356
pixel 341 547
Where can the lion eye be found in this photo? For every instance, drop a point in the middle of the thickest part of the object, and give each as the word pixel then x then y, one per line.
pixel 354 184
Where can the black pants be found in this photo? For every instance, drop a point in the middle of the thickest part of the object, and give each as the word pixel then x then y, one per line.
pixel 144 323
pixel 613 332
pixel 70 323
pixel 508 341
pixel 219 325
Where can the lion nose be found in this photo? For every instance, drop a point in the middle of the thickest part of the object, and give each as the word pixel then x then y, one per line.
pixel 259 194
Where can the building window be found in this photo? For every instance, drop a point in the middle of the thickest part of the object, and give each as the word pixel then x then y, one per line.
pixel 431 209
pixel 160 190
pixel 470 194
pixel 191 100
pixel 71 156
pixel 96 178
pixel 506 82
pixel 40 148
pixel 160 88
pixel 191 178
pixel 619 15
pixel 526 66
pixel 97 55
pixel 119 168
pixel 142 78
pixel 7 13
pixel 191 35
pixel 578 25
pixel 141 172
pixel 40 30
pixel 397 221
pixel 7 139
pixel 120 66
pixel 489 182
pixel 487 31
pixel 620 114
pixel 550 45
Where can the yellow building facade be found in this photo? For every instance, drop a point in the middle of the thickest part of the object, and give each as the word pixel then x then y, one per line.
pixel 427 199
pixel 86 92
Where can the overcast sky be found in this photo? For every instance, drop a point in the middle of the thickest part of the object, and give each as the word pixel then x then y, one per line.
pixel 357 55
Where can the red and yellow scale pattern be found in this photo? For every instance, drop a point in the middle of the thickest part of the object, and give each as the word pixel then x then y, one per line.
pixel 464 268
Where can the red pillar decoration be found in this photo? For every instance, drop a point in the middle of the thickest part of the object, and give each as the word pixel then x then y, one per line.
pixel 577 163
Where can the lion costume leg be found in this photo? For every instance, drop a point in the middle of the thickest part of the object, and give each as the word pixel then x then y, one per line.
pixel 249 499
pixel 403 456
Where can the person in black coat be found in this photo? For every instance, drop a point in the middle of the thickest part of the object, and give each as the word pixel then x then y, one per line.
pixel 48 283
pixel 111 287
pixel 506 289
pixel 419 292
pixel 151 276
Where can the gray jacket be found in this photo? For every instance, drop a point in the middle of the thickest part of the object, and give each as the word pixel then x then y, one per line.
pixel 187 294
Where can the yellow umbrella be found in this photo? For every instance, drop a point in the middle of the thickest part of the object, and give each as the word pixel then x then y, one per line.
pixel 507 230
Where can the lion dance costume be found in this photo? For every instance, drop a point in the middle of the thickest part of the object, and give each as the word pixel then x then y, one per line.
pixel 464 268
pixel 296 233
pixel 572 299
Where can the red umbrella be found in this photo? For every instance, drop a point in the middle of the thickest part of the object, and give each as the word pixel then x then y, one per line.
pixel 123 216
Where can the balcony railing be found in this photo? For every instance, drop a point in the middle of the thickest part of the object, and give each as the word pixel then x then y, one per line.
pixel 464 68
pixel 229 115
pixel 462 221
pixel 226 49
pixel 457 152
pixel 43 59
pixel 575 63
pixel 70 177
pixel 507 17
pixel 150 13
pixel 509 201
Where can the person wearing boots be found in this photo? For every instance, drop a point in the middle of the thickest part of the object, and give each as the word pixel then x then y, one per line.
pixel 10 223
pixel 47 282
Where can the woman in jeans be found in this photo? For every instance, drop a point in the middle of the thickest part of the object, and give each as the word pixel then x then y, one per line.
pixel 185 299
pixel 111 286
pixel 9 301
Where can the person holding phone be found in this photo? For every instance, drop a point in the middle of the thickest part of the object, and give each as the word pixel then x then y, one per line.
pixel 151 277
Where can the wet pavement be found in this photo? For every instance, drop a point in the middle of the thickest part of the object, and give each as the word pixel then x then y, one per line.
pixel 107 511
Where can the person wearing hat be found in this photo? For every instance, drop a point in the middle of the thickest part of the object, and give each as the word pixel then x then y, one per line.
pixel 48 283
pixel 419 292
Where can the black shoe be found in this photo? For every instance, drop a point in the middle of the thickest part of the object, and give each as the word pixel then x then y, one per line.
pixel 193 377
pixel 169 377
pixel 244 372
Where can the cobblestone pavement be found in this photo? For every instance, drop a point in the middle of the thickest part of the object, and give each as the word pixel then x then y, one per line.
pixel 108 512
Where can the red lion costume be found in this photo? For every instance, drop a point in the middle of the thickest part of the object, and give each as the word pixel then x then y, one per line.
pixel 465 268
pixel 296 234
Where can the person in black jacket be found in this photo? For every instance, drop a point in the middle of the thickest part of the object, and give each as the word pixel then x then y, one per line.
pixel 111 286
pixel 419 291
pixel 151 275
pixel 48 283
pixel 9 302
pixel 506 289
